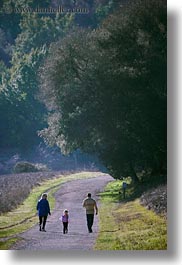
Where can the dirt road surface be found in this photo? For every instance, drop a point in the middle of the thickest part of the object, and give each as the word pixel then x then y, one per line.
pixel 69 196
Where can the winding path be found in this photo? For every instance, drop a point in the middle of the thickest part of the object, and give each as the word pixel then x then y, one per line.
pixel 69 196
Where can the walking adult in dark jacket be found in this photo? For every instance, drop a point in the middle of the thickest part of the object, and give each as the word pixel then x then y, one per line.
pixel 43 211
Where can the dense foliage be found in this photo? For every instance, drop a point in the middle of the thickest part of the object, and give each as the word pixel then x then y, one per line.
pixel 25 37
pixel 106 90
pixel 103 80
pixel 19 85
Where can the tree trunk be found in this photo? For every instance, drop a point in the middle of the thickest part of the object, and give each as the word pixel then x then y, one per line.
pixel 134 177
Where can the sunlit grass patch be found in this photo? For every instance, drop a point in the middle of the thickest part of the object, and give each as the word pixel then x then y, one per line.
pixel 4 245
pixel 128 225
pixel 140 228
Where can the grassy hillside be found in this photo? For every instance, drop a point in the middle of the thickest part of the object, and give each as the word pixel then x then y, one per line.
pixel 127 225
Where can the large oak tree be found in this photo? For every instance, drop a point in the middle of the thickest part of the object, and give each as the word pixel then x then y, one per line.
pixel 106 90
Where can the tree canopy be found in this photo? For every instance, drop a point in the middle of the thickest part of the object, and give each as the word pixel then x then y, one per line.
pixel 106 90
pixel 19 84
pixel 25 37
pixel 93 81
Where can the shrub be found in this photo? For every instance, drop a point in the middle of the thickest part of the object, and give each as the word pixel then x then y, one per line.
pixel 24 167
pixel 156 200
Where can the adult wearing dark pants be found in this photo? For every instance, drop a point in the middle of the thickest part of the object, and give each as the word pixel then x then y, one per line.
pixel 43 211
pixel 91 208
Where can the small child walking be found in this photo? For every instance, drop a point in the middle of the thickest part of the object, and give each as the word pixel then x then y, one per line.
pixel 65 218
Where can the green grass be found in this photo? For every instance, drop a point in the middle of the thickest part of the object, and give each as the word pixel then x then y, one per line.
pixel 7 243
pixel 126 225
pixel 24 217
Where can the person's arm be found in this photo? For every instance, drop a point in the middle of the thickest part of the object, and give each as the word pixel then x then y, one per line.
pixel 83 204
pixel 38 205
pixel 48 207
pixel 96 208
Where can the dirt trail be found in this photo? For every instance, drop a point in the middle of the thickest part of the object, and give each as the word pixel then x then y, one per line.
pixel 69 196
